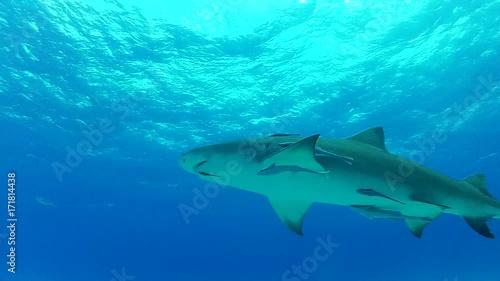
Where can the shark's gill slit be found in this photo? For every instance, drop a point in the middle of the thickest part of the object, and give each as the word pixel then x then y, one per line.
pixel 207 174
pixel 195 168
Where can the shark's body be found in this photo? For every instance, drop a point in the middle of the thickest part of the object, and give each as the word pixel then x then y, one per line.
pixel 294 172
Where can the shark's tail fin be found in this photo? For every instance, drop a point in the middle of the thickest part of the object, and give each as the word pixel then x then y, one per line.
pixel 479 223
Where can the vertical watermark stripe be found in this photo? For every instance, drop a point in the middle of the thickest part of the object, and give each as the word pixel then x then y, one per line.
pixel 11 221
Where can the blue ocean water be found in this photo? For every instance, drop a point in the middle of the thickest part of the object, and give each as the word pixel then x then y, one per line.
pixel 99 99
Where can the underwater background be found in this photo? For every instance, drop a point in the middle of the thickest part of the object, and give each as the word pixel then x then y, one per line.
pixel 99 98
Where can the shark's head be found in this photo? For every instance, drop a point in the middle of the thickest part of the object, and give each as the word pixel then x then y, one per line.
pixel 237 160
pixel 245 163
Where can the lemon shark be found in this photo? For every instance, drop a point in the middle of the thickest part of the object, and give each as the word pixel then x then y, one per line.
pixel 294 172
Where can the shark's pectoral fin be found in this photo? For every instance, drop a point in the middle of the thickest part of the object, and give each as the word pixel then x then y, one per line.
pixel 300 154
pixel 479 225
pixel 427 199
pixel 291 212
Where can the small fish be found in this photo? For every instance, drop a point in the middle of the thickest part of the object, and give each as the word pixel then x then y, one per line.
pixel 44 201
pixel 273 170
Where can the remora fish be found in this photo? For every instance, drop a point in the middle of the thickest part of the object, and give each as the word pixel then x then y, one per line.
pixel 373 212
pixel 295 172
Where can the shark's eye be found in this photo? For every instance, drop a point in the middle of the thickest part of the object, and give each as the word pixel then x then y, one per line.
pixel 183 160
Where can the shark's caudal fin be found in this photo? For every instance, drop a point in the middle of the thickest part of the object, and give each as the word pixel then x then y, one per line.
pixel 479 223
pixel 291 212
pixel 374 137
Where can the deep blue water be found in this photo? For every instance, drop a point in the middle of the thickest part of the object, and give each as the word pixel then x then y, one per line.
pixel 169 76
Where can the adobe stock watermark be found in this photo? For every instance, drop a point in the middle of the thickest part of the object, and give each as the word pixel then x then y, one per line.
pixel 427 147
pixel 121 276
pixel 310 264
pixel 94 137
pixel 248 148
pixel 407 167
pixel 218 10
pixel 29 30
pixel 371 30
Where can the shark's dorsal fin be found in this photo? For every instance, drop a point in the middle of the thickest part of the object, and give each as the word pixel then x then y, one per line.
pixel 374 137
pixel 300 154
pixel 478 181
pixel 291 212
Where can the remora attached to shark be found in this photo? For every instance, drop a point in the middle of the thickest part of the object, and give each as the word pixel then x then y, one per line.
pixel 294 172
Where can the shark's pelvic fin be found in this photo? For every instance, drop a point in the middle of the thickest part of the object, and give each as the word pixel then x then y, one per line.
pixel 299 154
pixel 417 226
pixel 478 181
pixel 291 212
pixel 374 137
pixel 479 225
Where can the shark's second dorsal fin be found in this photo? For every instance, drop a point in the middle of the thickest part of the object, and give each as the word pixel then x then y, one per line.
pixel 374 137
pixel 478 181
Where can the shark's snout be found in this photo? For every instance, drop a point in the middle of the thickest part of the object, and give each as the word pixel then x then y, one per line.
pixel 182 162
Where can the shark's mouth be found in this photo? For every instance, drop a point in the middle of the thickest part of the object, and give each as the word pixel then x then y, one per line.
pixel 197 166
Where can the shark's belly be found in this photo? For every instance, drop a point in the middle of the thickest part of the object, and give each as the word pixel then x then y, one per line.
pixel 342 188
pixel 337 189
